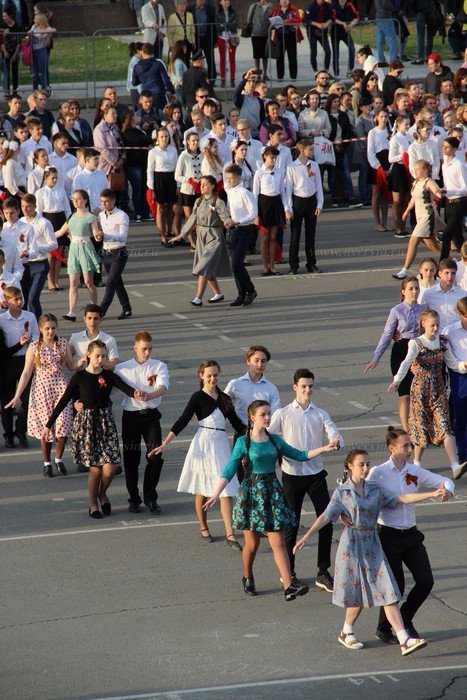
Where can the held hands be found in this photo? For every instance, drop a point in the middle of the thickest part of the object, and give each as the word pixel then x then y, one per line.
pixel 345 520
pixel 158 450
pixel 289 215
pixel 173 240
pixel 25 338
pixel 442 494
pixel 78 406
pixel 140 395
pixel 46 435
pixel 331 446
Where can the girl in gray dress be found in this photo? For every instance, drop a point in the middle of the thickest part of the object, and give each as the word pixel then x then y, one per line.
pixel 208 218
pixel 362 576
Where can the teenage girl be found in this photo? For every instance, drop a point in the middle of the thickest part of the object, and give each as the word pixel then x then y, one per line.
pixel 427 273
pixel 399 178
pixel 40 161
pixel 378 158
pixel 188 176
pixel 162 161
pixel 269 188
pixel 212 165
pixel 239 151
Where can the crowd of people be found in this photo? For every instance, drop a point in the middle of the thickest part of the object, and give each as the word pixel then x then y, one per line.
pixel 220 181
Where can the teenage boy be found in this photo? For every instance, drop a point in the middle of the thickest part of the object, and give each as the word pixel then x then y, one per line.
pixel 41 112
pixel 92 331
pixel 444 295
pixel 19 328
pixel 21 234
pixel 243 211
pixel 14 115
pixel 253 385
pixel 455 189
pixel 21 134
pixel 147 118
pixel 218 133
pixel 141 420
pixel 92 180
pixel 302 424
pixel 197 119
pixel 62 161
pixel 304 195
pixel 36 140
pixel 114 224
pixel 37 266
pixel 456 360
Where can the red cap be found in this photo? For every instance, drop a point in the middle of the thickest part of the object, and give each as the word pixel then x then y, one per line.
pixel 435 57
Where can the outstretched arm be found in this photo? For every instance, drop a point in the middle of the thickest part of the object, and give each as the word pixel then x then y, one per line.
pixel 317 525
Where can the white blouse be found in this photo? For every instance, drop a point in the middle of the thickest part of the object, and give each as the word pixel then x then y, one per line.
pixel 161 160
pixel 207 169
pixel 378 140
pixel 52 200
pixel 14 176
pixel 412 353
pixel 270 183
pixel 424 151
pixel 398 145
pixel 188 167
pixel 35 179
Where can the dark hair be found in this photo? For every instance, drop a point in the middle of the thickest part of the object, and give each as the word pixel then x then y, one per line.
pixel 92 309
pixel 453 142
pixel 59 136
pixel 365 51
pixel 11 203
pixel 134 47
pixel 252 408
pixel 211 179
pixel 85 196
pixel 30 199
pixel 394 434
pixel 224 401
pixel 145 93
pixel 217 117
pixel 233 169
pixel 90 153
pixel 445 264
pixel 108 193
pixel 333 96
pixel 148 49
pixel 95 344
pixel 274 129
pixel 302 374
pixel 348 460
pixel 14 96
pixel 270 151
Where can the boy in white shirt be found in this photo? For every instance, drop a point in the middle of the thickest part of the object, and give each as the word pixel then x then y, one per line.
pixel 36 140
pixel 62 161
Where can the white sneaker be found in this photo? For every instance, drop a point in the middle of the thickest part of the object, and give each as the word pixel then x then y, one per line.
pixel 460 470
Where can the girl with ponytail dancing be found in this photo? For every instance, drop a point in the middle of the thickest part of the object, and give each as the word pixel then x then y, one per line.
pixel 260 505
pixel 362 576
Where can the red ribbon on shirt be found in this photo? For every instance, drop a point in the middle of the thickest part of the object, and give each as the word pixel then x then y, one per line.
pixel 411 479
pixel 102 382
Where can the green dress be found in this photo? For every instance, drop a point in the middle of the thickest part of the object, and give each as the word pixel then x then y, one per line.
pixel 82 257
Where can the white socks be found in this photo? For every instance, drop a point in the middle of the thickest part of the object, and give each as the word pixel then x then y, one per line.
pixel 215 297
pixel 402 636
pixel 197 301
pixel 347 629
pixel 402 274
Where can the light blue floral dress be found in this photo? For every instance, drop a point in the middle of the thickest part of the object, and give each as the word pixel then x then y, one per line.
pixel 362 575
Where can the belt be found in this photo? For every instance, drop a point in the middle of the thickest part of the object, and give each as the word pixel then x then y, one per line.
pixel 31 262
pixel 208 427
pixel 399 530
pixel 111 251
pixel 358 527
pixel 456 199
pixel 143 412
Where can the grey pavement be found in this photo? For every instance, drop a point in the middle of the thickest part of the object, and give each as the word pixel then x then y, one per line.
pixel 136 605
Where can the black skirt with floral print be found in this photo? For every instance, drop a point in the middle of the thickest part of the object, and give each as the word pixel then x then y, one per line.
pixel 95 438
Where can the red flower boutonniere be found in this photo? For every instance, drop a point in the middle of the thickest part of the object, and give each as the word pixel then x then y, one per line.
pixel 3 285
pixel 436 132
pixel 411 479
pixel 151 379
pixel 26 326
pixel 102 382
pixel 21 237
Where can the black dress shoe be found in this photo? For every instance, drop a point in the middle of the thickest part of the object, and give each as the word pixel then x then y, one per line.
pixel 47 471
pixel 249 586
pixel 134 507
pixel 96 514
pixel 386 636
pixel 22 439
pixel 293 271
pixel 207 539
pixel 237 302
pixel 234 544
pixel 61 469
pixel 313 268
pixel 124 314
pixel 67 317
pixel 9 441
pixel 151 503
pixel 106 508
pixel 249 298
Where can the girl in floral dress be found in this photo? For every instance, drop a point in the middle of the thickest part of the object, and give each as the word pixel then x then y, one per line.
pixel 429 419
pixel 362 576
pixel 45 361
pixel 260 504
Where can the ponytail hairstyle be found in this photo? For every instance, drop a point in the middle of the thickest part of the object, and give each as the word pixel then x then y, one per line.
pixel 429 313
pixel 394 434
pixel 48 170
pixel 36 155
pixel 212 181
pixel 252 408
pixel 225 402
pixel 93 345
pixel 48 318
pixel 429 260
pixel 349 460
pixel 405 282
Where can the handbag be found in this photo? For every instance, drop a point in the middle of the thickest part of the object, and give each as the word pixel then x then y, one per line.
pixel 234 40
pixel 117 180
pixel 26 52
pixel 247 30
pixel 323 151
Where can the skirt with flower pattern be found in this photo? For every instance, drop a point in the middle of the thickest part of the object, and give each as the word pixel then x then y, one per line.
pixel 260 505
pixel 95 438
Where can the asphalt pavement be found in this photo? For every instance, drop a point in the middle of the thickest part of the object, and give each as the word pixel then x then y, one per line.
pixel 136 606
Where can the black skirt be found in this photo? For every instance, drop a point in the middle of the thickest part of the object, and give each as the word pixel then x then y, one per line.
pixel 383 157
pixel 165 188
pixel 57 219
pixel 271 210
pixel 259 46
pixel 398 180
pixel 187 200
pixel 398 355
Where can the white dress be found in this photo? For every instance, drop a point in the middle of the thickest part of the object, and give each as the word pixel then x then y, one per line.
pixel 207 456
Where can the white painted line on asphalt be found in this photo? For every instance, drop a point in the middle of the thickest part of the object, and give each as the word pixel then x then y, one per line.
pixel 180 316
pixel 385 419
pixel 224 337
pixel 327 390
pixel 284 682
pixel 201 326
pixel 156 303
pixel 359 405
pixel 137 525
pixel 136 294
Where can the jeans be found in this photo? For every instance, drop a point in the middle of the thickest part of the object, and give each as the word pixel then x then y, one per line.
pixel 422 50
pixel 342 167
pixel 114 262
pixel 303 209
pixel 239 242
pixel 136 177
pixel 39 68
pixel 364 189
pixel 137 425
pixel 324 41
pixel 458 399
pixel 385 31
pixel 406 547
pixel 295 489
pixel 34 277
pixel 336 38
pixel 7 63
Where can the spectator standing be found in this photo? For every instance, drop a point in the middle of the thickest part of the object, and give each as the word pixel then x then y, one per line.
pixel 259 14
pixel 385 31
pixel 153 19
pixel 152 75
pixel 136 163
pixel 227 39
pixel 41 36
pixel 195 78
pixel 251 107
pixel 206 33
pixel 287 37
pixel 180 27
pixel 345 17
pixel 318 19
pixel 10 50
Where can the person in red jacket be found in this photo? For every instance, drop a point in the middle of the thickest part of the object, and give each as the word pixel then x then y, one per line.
pixel 345 17
pixel 286 37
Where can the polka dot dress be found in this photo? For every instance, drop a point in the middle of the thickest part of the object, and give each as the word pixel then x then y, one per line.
pixel 48 384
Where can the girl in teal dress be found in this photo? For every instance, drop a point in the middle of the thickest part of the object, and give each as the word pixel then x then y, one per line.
pixel 82 258
pixel 260 505
pixel 362 576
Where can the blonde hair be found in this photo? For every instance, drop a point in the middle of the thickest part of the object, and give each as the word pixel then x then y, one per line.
pixel 429 313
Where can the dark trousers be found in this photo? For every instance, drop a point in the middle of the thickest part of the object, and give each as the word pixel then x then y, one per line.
pixel 32 284
pixel 303 209
pixel 287 45
pixel 239 241
pixel 11 372
pixel 336 37
pixel 458 399
pixel 406 547
pixel 145 425
pixel 324 41
pixel 114 262
pixel 7 63
pixel 206 42
pixel 454 231
pixel 295 489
